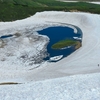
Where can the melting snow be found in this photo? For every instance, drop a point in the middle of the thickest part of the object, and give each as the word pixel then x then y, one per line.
pixel 26 43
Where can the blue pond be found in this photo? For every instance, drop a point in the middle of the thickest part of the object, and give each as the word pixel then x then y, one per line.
pixel 6 36
pixel 59 33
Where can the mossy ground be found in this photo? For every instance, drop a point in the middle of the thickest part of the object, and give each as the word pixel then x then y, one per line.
pixel 65 43
pixel 11 10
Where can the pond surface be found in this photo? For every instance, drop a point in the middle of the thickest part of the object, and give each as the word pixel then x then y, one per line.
pixel 59 33
pixel 6 36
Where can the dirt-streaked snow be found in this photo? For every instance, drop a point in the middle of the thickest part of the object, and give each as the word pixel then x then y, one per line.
pixel 83 61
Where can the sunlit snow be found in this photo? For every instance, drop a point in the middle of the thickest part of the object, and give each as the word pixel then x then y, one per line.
pixel 75 77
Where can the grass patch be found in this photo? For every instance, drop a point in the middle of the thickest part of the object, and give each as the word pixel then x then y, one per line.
pixel 65 43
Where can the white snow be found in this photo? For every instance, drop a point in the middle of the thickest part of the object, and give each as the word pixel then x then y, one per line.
pixel 77 38
pixel 78 87
pixel 56 58
pixel 95 2
pixel 67 1
pixel 84 61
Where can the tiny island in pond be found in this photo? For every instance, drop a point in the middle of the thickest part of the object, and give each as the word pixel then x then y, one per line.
pixel 66 43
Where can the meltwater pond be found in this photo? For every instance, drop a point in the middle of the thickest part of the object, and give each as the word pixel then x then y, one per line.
pixel 58 33
pixel 6 36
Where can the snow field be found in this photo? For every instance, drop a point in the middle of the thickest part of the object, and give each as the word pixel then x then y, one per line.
pixel 78 87
pixel 76 77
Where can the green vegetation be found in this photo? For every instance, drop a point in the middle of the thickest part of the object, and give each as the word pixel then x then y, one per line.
pixel 18 9
pixel 65 43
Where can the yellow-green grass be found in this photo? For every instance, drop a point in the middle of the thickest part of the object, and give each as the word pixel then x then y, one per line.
pixel 65 43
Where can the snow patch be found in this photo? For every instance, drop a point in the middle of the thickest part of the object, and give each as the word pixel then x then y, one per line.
pixel 14 65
